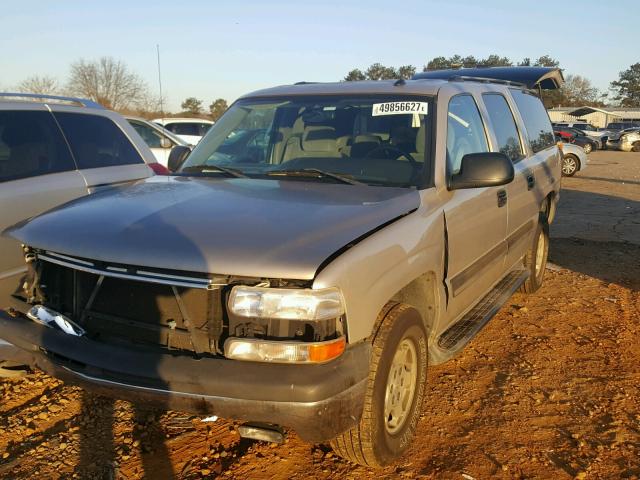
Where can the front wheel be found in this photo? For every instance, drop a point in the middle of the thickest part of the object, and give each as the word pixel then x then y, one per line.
pixel 570 165
pixel 535 260
pixel 395 390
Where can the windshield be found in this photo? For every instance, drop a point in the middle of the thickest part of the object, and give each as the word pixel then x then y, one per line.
pixel 377 140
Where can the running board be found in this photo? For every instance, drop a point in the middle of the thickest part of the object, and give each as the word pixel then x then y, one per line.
pixel 460 333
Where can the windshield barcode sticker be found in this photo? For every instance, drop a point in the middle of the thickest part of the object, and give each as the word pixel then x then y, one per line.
pixel 399 108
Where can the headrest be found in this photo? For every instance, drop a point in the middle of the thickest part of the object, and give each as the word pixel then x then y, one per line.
pixel 319 139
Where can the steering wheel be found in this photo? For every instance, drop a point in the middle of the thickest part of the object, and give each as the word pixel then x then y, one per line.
pixel 392 149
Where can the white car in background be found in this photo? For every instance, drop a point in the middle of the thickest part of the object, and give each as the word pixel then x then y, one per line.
pixel 191 130
pixel 574 159
pixel 159 140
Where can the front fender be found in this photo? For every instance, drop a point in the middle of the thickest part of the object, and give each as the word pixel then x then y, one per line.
pixel 374 270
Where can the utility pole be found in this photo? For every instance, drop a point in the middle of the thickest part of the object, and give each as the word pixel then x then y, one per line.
pixel 160 82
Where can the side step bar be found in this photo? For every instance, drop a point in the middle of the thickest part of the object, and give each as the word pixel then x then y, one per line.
pixel 460 333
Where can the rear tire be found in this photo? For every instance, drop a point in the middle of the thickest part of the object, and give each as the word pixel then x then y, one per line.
pixel 635 147
pixel 535 260
pixel 395 390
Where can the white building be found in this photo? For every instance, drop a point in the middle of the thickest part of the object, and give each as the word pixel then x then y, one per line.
pixel 597 117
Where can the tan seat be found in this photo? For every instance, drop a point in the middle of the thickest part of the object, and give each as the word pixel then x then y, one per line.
pixel 316 141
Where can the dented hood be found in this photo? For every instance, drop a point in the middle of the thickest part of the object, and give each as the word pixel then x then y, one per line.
pixel 244 227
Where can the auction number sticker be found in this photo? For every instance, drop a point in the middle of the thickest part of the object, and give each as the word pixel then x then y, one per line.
pixel 399 108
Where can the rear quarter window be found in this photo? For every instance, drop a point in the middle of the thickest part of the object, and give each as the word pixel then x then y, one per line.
pixel 536 120
pixel 31 145
pixel 97 141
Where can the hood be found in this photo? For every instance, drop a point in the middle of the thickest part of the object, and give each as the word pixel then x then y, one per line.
pixel 244 227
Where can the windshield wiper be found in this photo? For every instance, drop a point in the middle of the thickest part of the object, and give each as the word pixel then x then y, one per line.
pixel 232 172
pixel 316 173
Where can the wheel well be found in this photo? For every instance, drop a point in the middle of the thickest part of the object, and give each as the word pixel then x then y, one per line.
pixel 550 208
pixel 421 294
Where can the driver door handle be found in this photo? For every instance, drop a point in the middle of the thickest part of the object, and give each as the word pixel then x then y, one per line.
pixel 502 198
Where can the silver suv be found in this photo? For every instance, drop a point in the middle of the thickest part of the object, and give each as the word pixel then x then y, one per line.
pixel 319 247
pixel 53 150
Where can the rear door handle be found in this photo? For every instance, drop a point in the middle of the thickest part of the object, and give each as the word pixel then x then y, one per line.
pixel 531 181
pixel 502 198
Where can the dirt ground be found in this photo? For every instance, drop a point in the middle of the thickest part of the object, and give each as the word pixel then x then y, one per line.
pixel 549 389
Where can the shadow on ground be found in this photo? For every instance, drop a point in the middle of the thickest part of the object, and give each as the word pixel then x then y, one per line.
pixel 605 224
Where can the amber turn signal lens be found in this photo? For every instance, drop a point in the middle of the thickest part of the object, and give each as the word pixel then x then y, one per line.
pixel 323 352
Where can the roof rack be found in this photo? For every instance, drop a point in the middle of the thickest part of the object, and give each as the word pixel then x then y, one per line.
pixel 83 102
pixel 542 78
pixel 466 78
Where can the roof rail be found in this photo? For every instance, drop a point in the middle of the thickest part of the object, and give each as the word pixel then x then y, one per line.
pixel 83 102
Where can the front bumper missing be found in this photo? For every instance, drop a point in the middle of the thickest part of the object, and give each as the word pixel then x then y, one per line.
pixel 317 401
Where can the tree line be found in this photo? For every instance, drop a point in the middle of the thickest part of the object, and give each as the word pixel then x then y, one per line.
pixel 114 85
pixel 577 90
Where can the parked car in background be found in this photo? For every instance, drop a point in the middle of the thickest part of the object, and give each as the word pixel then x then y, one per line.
pixel 191 130
pixel 614 138
pixel 573 135
pixel 598 134
pixel 574 159
pixel 157 138
pixel 627 140
pixel 308 278
pixel 53 150
pixel 619 126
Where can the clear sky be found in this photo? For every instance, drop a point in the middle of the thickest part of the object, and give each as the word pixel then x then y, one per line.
pixel 212 49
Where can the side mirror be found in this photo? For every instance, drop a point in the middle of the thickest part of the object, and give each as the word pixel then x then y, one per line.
pixel 177 157
pixel 165 142
pixel 487 169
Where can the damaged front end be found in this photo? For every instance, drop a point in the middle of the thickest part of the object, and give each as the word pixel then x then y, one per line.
pixel 267 350
pixel 173 311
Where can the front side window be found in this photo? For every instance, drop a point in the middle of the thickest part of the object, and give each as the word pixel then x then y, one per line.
pixel 536 120
pixel 96 141
pixel 465 131
pixel 504 125
pixel 31 144
pixel 376 140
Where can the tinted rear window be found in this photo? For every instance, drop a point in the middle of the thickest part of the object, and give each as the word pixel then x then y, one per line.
pixel 197 129
pixel 536 120
pixel 31 144
pixel 96 141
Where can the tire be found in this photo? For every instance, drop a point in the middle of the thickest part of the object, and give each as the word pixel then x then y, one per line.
pixel 379 438
pixel 587 148
pixel 570 165
pixel 548 209
pixel 535 260
pixel 635 147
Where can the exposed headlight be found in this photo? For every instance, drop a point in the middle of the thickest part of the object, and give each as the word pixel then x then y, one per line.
pixel 285 303
pixel 257 350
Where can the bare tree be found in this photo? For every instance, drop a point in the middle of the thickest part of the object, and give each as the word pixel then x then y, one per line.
pixel 107 81
pixel 43 85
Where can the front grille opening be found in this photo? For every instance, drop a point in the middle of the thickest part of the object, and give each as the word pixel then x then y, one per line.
pixel 121 310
